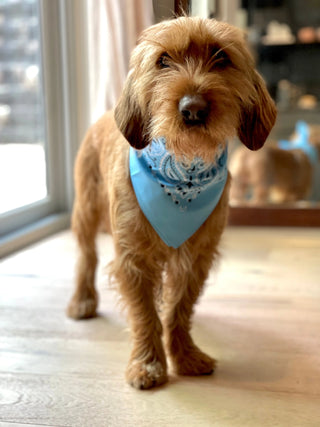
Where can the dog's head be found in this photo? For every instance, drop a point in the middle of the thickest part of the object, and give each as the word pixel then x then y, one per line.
pixel 193 81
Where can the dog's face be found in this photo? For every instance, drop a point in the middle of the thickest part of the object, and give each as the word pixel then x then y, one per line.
pixel 193 81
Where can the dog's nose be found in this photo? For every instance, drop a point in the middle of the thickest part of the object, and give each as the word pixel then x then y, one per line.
pixel 194 109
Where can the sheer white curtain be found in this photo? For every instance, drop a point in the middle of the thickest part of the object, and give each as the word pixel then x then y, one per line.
pixel 114 27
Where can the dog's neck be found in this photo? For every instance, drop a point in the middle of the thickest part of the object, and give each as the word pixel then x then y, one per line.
pixel 177 188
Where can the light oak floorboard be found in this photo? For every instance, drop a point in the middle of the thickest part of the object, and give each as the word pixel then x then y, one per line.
pixel 259 317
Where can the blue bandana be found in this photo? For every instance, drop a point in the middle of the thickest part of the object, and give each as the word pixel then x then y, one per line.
pixel 176 196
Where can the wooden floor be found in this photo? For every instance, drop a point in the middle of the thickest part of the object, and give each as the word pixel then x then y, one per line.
pixel 260 317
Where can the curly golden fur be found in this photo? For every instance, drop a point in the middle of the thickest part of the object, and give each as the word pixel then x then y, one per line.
pixel 173 59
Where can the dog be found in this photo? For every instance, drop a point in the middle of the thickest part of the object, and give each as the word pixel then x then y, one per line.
pixel 284 172
pixel 144 167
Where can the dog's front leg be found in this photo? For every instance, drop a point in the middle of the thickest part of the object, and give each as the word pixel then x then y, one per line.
pixel 147 366
pixel 181 291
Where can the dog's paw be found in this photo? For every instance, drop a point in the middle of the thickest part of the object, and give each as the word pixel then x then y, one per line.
pixel 82 309
pixel 142 375
pixel 194 362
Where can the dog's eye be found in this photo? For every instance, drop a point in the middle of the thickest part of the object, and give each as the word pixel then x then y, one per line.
pixel 164 61
pixel 219 59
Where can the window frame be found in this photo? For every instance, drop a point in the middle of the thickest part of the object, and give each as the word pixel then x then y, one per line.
pixel 64 54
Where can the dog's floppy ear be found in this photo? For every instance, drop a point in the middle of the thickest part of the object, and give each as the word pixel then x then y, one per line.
pixel 130 118
pixel 258 118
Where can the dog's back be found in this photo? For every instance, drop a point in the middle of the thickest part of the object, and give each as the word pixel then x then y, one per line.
pixel 101 149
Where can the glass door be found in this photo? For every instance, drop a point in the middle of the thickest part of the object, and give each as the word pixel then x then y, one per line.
pixel 23 169
pixel 43 61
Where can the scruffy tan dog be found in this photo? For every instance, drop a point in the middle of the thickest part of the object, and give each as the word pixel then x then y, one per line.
pixel 191 86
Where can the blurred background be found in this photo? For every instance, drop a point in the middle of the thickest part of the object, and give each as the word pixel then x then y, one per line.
pixel 63 63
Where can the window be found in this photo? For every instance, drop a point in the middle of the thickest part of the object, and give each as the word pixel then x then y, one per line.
pixel 42 79
pixel 23 137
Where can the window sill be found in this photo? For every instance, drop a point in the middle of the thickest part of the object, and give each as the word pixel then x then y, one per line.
pixel 38 230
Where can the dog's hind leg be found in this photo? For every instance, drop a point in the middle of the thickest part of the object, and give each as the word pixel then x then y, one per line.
pixel 85 223
pixel 84 301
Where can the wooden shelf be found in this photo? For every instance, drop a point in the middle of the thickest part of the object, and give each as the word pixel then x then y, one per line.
pixel 275 216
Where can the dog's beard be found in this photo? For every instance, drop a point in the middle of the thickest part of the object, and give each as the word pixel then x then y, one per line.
pixel 200 140
pixel 189 145
pixel 188 142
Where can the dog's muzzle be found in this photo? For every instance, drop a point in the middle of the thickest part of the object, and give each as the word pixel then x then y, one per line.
pixel 194 110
